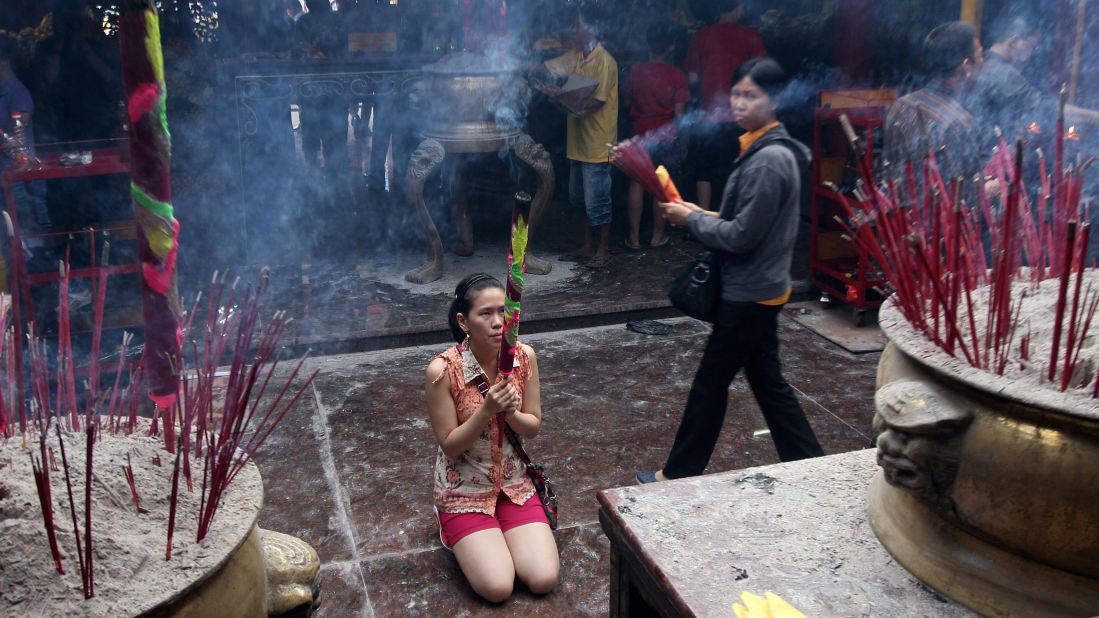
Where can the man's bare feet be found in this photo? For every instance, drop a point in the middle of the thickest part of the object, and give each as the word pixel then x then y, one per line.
pixel 580 255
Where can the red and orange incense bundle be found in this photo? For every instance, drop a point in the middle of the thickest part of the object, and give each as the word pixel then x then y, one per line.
pixel 666 181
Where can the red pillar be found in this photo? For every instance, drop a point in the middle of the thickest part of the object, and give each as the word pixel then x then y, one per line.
pixel 854 40
pixel 1062 35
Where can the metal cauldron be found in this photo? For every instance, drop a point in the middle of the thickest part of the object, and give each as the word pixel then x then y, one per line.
pixel 473 102
pixel 989 491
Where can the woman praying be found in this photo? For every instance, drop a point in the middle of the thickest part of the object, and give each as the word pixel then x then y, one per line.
pixel 489 513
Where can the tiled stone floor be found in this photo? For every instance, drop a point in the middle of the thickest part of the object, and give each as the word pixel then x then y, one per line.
pixel 349 470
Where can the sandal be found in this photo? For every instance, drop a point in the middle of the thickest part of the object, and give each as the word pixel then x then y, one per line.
pixel 597 262
pixel 648 327
pixel 663 243
pixel 630 248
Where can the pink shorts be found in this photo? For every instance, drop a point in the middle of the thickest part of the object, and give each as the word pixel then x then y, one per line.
pixel 456 526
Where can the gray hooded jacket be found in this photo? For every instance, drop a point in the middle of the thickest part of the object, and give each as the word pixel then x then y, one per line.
pixel 756 238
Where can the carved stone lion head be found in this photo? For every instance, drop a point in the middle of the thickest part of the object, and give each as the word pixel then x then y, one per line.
pixel 426 156
pixel 920 430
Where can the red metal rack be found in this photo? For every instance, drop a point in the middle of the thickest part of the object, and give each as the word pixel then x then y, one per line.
pixel 108 157
pixel 838 267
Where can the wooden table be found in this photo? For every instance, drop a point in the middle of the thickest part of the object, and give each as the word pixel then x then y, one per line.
pixel 690 547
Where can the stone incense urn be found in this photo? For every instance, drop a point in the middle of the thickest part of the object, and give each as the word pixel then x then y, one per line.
pixel 238 571
pixel 989 491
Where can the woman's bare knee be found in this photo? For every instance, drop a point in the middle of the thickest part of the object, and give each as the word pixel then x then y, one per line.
pixel 496 590
pixel 542 581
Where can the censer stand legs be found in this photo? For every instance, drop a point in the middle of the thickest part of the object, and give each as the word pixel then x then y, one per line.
pixel 464 246
pixel 427 156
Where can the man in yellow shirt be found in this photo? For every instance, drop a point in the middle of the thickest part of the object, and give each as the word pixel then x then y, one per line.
pixel 588 136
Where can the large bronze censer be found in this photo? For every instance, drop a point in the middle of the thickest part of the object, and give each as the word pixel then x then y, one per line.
pixel 465 92
pixel 989 490
pixel 476 106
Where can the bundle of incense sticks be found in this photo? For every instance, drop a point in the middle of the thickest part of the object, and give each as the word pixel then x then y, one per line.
pixel 633 160
pixel 929 244
pixel 7 420
pixel 228 438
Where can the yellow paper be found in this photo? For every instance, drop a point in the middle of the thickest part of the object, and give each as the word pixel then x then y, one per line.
pixel 769 606
pixel 753 606
pixel 780 608
pixel 666 182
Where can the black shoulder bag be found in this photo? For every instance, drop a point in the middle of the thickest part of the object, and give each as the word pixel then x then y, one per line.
pixel 697 290
pixel 535 471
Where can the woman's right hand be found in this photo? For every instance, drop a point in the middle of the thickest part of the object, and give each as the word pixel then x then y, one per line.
pixel 501 397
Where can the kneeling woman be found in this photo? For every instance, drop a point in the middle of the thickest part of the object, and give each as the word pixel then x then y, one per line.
pixel 489 513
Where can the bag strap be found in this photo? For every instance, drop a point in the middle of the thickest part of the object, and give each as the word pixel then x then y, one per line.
pixel 482 385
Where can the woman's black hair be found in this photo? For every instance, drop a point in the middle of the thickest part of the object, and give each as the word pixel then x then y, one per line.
pixel 463 300
pixel 767 73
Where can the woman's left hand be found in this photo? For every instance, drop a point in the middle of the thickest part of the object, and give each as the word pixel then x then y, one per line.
pixel 510 410
pixel 677 212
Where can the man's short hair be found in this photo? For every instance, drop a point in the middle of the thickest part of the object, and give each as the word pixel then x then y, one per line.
pixel 659 37
pixel 7 49
pixel 724 6
pixel 594 17
pixel 710 11
pixel 947 47
pixel 1011 25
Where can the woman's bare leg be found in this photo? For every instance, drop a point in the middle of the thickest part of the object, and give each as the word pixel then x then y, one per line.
pixel 534 554
pixel 487 564
pixel 659 236
pixel 703 188
pixel 633 214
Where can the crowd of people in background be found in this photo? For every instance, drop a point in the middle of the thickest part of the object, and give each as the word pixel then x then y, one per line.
pixel 664 68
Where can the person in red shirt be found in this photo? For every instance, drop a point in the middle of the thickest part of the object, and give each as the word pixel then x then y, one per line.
pixel 655 95
pixel 713 55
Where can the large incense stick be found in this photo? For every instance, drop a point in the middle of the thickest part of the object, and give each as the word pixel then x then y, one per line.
pixel 157 229
pixel 517 267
